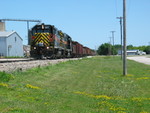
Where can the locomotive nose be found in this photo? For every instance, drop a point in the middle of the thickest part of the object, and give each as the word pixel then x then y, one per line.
pixel 40 44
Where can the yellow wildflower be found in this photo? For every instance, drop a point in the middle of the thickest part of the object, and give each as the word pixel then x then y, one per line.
pixel 78 92
pixel 3 84
pixel 145 98
pixel 129 75
pixel 32 87
pixel 121 112
pixel 136 99
pixel 46 103
pixel 143 78
pixel 102 96
pixel 105 103
pixel 139 99
pixel 93 96
pixel 113 108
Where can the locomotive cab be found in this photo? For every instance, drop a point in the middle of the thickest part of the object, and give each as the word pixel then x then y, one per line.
pixel 41 41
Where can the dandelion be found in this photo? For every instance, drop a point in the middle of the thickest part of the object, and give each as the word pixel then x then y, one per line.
pixel 121 112
pixel 139 99
pixel 32 87
pixel 93 96
pixel 105 103
pixel 130 75
pixel 113 108
pixel 143 78
pixel 102 96
pixel 3 84
pixel 136 99
pixel 78 92
pixel 143 112
pixel 146 98
pixel 13 109
pixel 46 103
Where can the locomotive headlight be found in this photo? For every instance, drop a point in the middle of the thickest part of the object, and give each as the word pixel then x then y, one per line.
pixel 42 26
pixel 47 47
pixel 34 48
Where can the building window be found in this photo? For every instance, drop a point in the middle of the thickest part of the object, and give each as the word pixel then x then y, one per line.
pixel 15 39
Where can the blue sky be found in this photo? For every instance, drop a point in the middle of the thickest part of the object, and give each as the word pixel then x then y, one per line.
pixel 86 21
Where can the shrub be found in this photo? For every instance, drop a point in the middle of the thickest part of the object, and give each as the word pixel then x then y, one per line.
pixel 5 77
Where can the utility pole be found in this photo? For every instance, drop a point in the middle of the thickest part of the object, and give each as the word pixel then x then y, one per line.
pixel 28 32
pixel 121 33
pixel 124 40
pixel 113 41
pixel 110 47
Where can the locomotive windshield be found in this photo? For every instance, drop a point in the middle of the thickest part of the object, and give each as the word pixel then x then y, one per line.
pixel 42 29
pixel 41 36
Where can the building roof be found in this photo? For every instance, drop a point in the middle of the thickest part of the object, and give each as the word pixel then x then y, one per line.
pixel 134 50
pixel 6 34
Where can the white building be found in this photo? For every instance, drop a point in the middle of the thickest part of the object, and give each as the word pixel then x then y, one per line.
pixel 11 44
pixel 133 52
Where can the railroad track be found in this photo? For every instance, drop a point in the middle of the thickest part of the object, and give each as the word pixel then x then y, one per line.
pixel 9 60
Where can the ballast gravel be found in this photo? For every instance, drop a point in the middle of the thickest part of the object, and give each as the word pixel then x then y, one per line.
pixel 24 65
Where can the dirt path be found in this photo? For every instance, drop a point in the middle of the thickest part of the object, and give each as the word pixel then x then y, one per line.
pixel 141 59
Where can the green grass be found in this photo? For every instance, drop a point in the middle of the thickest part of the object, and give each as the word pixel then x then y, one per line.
pixel 14 57
pixel 90 85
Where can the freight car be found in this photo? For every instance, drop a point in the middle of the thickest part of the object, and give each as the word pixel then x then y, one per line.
pixel 48 42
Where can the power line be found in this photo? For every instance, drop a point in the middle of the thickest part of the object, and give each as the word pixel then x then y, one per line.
pixel 23 20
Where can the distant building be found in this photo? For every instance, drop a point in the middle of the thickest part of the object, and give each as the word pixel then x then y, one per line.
pixel 11 44
pixel 2 26
pixel 133 52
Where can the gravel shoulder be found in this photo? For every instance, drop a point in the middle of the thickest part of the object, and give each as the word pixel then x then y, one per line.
pixel 141 59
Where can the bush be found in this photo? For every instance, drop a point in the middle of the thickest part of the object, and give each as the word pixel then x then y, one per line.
pixel 106 49
pixel 5 77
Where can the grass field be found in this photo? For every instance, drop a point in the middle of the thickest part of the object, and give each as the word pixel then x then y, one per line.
pixel 90 85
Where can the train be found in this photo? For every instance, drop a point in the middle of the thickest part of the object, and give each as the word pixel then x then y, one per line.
pixel 46 41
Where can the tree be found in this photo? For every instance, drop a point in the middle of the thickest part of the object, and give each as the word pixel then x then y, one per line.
pixel 147 50
pixel 129 47
pixel 118 46
pixel 106 49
